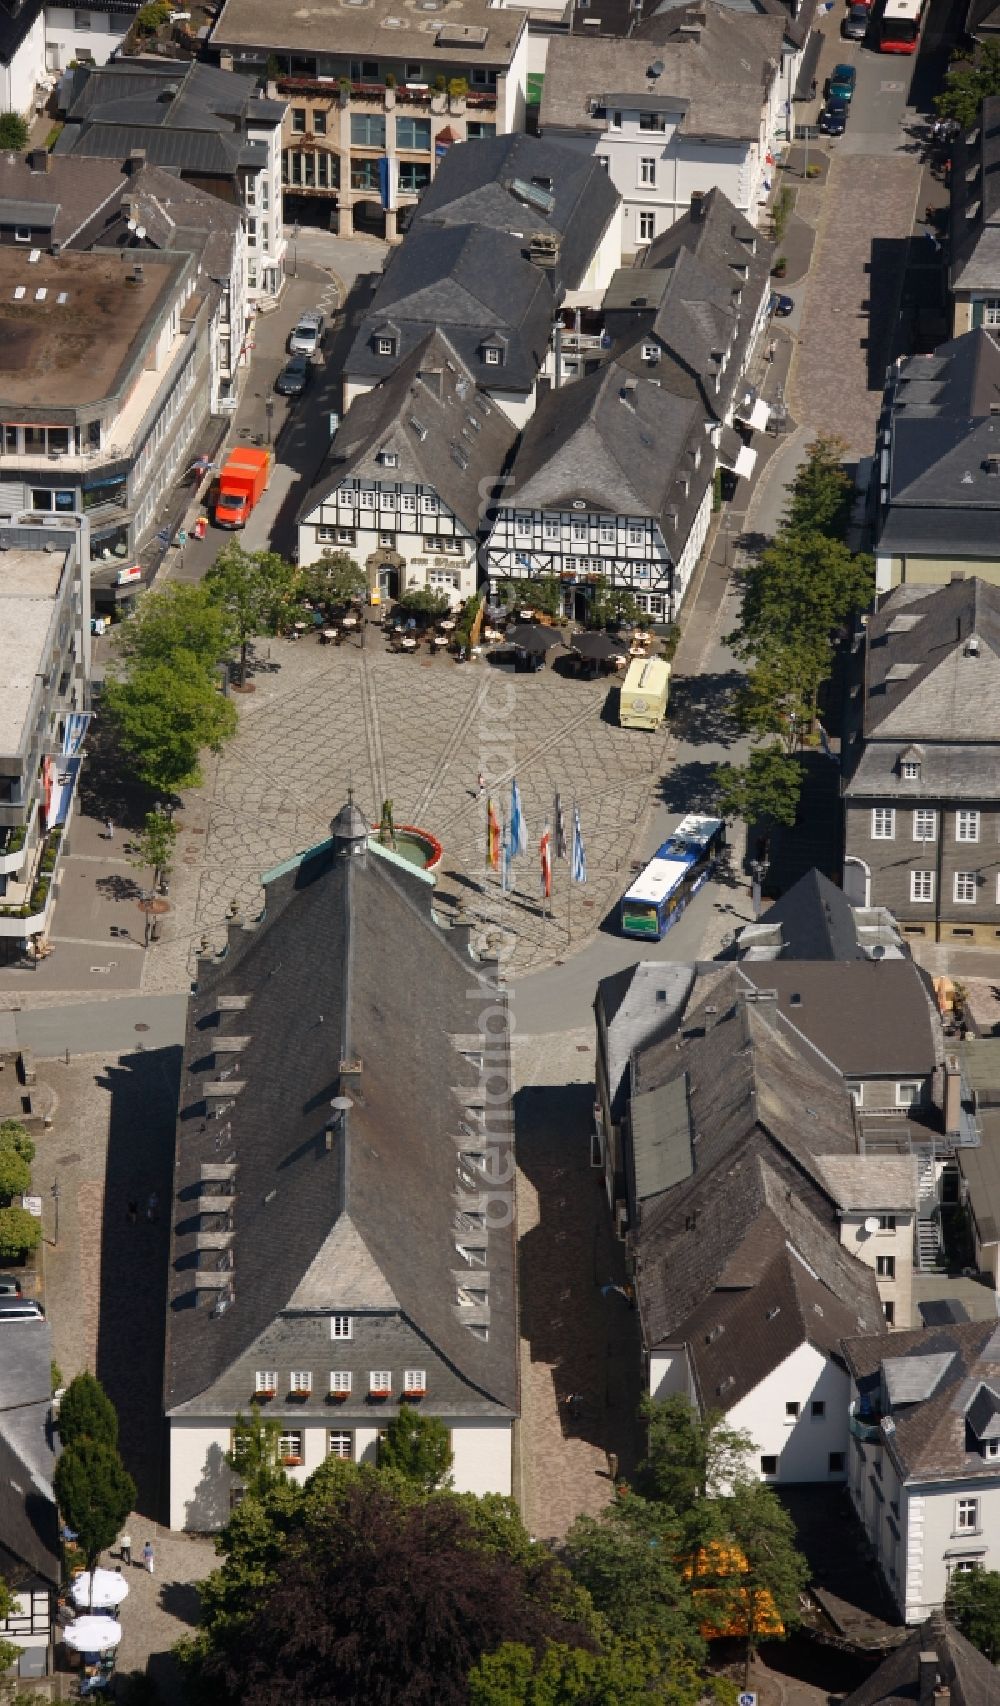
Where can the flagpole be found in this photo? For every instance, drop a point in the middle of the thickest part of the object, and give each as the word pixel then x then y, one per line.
pixel 569 908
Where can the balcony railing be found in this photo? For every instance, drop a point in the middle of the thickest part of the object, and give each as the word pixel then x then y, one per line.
pixel 866 1428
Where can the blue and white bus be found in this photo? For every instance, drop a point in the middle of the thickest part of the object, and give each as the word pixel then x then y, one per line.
pixel 675 872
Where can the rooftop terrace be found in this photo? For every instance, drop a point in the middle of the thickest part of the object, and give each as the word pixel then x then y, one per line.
pixel 29 586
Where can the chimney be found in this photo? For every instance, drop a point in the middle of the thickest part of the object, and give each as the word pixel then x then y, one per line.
pixel 697 205
pixel 135 161
pixel 225 60
pixel 927 1671
pixel 952 1094
pixel 38 160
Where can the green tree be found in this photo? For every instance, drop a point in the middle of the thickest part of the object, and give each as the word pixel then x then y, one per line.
pixel 155 846
pixel 623 1673
pixel 969 83
pixel 690 1456
pixel 819 497
pixel 543 594
pixel 419 1447
pixel 179 618
pixel 800 591
pixel 95 1493
pixel 335 579
pixel 255 1452
pixel 973 1605
pixel 629 1559
pixel 13 133
pixel 423 600
pixel 611 605
pixel 778 697
pixel 776 1573
pixel 14 1135
pixel 87 1413
pixel 766 788
pixel 256 589
pixel 165 716
pixel 20 1233
pixel 8 1652
pixel 15 1175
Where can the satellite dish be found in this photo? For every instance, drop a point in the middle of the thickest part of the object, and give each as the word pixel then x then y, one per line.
pixel 140 230
pixel 131 224
pixel 871 1224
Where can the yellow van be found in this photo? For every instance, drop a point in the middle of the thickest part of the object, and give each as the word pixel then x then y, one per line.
pixel 643 702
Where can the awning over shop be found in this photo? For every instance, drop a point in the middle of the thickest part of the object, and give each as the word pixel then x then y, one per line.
pixel 808 68
pixel 730 445
pixel 746 461
pixel 755 415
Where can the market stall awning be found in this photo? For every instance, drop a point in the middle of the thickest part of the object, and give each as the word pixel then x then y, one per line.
pixel 746 461
pixel 730 445
pixel 755 415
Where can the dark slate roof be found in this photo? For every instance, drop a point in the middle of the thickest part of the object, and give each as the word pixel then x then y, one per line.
pixel 982 19
pixel 472 282
pixel 660 1139
pixel 765 1108
pixel 920 677
pixel 816 920
pixel 872 1018
pixel 348 985
pixel 942 433
pixel 476 184
pixel 962 1669
pixel 796 23
pixel 174 215
pixel 190 116
pixel 16 19
pixel 974 260
pixel 621 444
pixel 75 189
pixel 29 1538
pixel 465 443
pixel 929 1438
pixel 204 153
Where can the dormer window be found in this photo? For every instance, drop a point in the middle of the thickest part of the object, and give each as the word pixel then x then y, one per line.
pixel 388 459
pixel 493 355
pixel 909 769
pixel 650 352
pixel 991 1447
pixel 385 346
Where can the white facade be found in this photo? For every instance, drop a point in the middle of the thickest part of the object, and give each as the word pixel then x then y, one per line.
pixel 579 546
pixel 796 1416
pixel 21 78
pixel 201 1484
pixel 518 406
pixel 889 1253
pixel 365 516
pixel 266 240
pixel 82 35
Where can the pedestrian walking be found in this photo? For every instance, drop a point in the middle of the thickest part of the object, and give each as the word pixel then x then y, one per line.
pixel 133 1211
pixel 612 1457
pixel 480 785
pixel 147 1556
pixel 152 1207
pixel 110 831
pixel 125 1548
pixel 772 350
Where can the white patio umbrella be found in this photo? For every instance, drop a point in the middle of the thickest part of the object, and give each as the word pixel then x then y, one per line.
pixel 109 1589
pixel 92 1634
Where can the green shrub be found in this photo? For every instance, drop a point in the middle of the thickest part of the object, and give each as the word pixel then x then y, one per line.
pixel 13 1135
pixel 15 1175
pixel 152 17
pixel 13 132
pixel 20 1232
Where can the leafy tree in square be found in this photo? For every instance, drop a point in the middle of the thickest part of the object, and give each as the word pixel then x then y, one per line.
pixel 15 1175
pixel 970 82
pixel 165 715
pixel 14 1135
pixel 155 846
pixel 87 1413
pixel 177 618
pixel 255 1455
pixel 20 1233
pixel 764 789
pixel 335 579
pixel 256 589
pixel 689 1455
pixel 819 496
pixel 13 133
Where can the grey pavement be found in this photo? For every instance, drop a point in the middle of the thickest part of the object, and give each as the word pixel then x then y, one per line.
pixel 117 1024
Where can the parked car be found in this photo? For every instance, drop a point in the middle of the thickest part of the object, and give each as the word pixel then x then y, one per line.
pixel 294 376
pixel 840 84
pixel 781 305
pixel 307 335
pixel 833 118
pixel 10 1285
pixel 20 1309
pixel 854 24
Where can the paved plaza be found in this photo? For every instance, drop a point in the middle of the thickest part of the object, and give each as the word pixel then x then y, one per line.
pixel 416 731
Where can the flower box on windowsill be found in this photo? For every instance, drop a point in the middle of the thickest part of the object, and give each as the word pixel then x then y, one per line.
pixel 300 1392
pixel 266 1392
pixel 380 1392
pixel 292 1462
pixel 413 1392
pixel 338 1397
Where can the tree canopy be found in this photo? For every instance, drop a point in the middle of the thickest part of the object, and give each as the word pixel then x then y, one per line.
pixel 20 1232
pixel 95 1493
pixel 418 1446
pixel 255 1453
pixel 155 845
pixel 335 579
pixel 87 1413
pixel 14 1135
pixel 15 1174
pixel 256 590
pixel 764 789
pixel 689 1455
pixel 14 132
pixel 178 618
pixel 973 1604
pixel 166 714
pixel 970 82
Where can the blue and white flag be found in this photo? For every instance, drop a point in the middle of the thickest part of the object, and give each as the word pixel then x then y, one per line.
pixel 518 832
pixel 579 851
pixel 505 858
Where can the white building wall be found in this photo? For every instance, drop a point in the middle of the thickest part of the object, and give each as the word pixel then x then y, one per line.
pixel 512 87
pixel 437 551
pixel 897 1245
pixel 20 79
pixel 200 1482
pixel 669 1373
pixel 688 559
pixel 802 1443
pixel 482 1452
pixel 65 41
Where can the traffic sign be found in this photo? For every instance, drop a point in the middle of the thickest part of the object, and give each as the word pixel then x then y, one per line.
pixel 746 1699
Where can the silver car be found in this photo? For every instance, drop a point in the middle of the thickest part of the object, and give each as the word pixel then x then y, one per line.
pixel 308 334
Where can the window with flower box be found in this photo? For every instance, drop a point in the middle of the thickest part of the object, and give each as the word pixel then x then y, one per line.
pixel 265 1383
pixel 301 1381
pixel 380 1382
pixel 290 1448
pixel 340 1383
pixel 415 1382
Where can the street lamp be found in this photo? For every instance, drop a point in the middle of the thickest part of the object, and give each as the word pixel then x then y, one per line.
pixel 55 1198
pixel 758 871
pixel 295 250
pixel 269 412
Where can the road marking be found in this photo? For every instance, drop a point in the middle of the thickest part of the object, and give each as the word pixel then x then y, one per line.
pixel 97 942
pixel 890 88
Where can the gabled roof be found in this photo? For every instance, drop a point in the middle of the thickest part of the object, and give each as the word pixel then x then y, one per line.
pixel 961 1668
pixel 348 986
pixel 16 20
pixel 975 202
pixel 484 184
pixel 929 1436
pixel 816 920
pixel 470 281
pixel 174 215
pixel 73 189
pixel 944 443
pixel 871 1018
pixel 428 414
pixel 922 675
pixel 189 116
pixel 619 444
